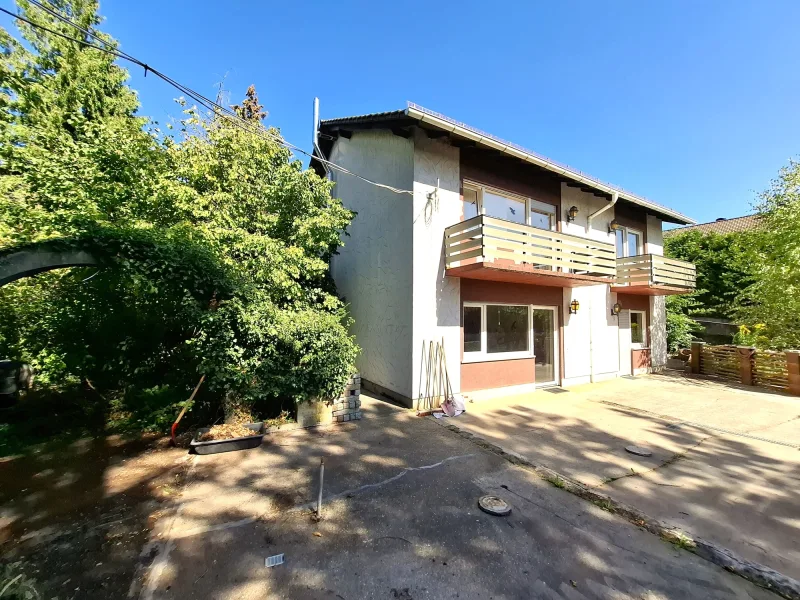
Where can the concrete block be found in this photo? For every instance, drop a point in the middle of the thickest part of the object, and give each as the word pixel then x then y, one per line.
pixel 313 413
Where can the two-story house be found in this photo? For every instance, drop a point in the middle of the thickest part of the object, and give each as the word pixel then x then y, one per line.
pixel 532 273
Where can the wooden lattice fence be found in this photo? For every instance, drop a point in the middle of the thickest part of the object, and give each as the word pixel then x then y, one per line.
pixel 742 364
pixel 770 370
pixel 720 361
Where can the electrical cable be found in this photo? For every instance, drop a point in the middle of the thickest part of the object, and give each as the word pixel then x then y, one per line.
pixel 207 103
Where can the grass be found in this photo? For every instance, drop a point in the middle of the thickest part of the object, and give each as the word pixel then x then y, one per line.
pixel 606 505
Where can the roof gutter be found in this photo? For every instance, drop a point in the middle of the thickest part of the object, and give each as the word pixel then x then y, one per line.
pixel 425 117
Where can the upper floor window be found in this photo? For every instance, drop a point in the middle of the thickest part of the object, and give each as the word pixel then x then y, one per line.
pixel 629 242
pixel 480 199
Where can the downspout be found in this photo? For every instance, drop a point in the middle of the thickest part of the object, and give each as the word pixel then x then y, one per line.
pixel 315 139
pixel 614 198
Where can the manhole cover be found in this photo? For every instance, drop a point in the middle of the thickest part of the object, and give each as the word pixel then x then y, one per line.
pixel 494 506
pixel 638 451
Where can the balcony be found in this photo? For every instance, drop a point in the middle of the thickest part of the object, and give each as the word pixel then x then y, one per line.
pixel 654 275
pixel 484 247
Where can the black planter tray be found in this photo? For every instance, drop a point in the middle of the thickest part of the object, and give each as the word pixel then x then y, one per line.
pixel 217 446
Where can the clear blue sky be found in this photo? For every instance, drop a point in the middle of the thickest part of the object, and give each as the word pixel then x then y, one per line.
pixel 692 104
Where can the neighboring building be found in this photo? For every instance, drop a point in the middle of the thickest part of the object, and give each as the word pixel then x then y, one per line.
pixel 720 226
pixel 490 255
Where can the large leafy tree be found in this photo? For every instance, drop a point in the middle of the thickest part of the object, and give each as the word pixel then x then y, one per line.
pixel 724 269
pixel 220 239
pixel 773 300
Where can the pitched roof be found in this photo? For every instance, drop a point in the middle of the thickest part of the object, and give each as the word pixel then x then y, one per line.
pixel 720 226
pixel 416 114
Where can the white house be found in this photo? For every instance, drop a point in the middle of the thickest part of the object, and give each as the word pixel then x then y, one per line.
pixel 533 273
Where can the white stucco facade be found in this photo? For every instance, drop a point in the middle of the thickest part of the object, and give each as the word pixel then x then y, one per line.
pixel 436 298
pixel 391 268
pixel 373 270
pixel 591 337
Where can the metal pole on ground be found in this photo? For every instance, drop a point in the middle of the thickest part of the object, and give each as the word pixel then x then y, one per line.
pixel 321 477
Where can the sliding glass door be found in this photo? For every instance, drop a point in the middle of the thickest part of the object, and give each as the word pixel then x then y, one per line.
pixel 545 346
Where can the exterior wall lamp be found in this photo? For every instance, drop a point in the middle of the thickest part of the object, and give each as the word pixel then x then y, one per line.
pixel 572 213
pixel 616 309
pixel 614 226
pixel 573 307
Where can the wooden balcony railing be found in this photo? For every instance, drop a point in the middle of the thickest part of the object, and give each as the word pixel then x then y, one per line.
pixel 485 239
pixel 654 270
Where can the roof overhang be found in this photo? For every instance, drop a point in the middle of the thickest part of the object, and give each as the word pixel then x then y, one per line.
pixel 415 114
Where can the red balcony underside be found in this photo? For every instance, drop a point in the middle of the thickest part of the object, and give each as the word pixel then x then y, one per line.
pixel 523 273
pixel 650 290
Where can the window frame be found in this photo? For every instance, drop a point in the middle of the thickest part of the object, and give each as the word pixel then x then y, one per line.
pixel 643 343
pixel 530 203
pixel 625 231
pixel 483 355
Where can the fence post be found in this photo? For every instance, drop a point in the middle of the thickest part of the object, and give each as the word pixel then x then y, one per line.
pixel 697 350
pixel 746 364
pixel 793 367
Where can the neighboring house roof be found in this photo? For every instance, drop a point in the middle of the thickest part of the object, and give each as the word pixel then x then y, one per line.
pixel 414 114
pixel 720 226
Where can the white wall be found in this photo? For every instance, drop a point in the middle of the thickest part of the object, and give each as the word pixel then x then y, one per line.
pixel 655 237
pixel 658 332
pixel 591 337
pixel 587 204
pixel 593 327
pixel 437 298
pixel 658 314
pixel 373 269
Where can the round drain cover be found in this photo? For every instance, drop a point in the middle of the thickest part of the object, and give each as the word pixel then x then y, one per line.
pixel 494 506
pixel 638 451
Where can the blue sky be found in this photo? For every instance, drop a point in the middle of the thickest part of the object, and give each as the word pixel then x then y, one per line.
pixel 692 104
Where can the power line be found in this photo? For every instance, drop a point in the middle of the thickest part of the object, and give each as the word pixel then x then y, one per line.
pixel 207 103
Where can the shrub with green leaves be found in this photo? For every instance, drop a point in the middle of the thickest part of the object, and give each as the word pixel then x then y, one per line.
pixel 218 240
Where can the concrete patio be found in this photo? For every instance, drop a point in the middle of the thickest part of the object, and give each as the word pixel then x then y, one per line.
pixel 725 463
pixel 401 521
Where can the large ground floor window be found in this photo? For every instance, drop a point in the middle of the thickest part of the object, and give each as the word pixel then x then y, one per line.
pixel 512 331
pixel 497 331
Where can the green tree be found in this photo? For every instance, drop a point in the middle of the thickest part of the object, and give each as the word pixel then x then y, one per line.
pixel 220 240
pixel 724 269
pixel 773 299
pixel 680 326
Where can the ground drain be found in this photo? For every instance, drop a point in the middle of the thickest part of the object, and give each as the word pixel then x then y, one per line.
pixel 494 506
pixel 638 451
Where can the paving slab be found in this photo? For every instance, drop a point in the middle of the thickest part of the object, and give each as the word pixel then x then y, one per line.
pixel 401 520
pixel 724 466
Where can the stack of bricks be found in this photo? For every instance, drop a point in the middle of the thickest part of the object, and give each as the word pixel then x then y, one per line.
pixel 348 406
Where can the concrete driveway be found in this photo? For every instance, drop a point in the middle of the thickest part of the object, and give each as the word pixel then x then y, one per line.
pixel 725 463
pixel 401 522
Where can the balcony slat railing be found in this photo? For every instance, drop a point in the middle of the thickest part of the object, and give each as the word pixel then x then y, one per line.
pixel 487 239
pixel 653 269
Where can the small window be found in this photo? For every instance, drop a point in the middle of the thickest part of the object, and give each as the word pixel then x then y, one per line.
pixel 506 329
pixel 503 207
pixel 629 242
pixel 634 243
pixel 620 243
pixel 638 328
pixel 472 329
pixel 470 203
pixel 543 216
